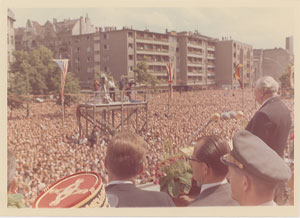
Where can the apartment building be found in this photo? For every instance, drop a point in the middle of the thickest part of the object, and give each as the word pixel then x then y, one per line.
pixel 257 63
pixel 191 55
pixel 85 57
pixel 121 50
pixel 230 53
pixel 54 35
pixel 195 59
pixel 10 36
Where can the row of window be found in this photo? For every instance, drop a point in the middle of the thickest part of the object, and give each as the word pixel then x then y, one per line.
pixel 10 40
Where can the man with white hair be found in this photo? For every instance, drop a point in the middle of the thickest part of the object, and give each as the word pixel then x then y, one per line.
pixel 272 122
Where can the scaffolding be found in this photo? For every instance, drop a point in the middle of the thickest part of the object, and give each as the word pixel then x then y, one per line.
pixel 99 112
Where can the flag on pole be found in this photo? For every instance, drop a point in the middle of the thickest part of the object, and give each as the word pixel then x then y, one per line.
pixel 63 65
pixel 169 68
pixel 237 74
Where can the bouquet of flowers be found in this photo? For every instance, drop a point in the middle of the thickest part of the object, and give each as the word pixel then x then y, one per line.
pixel 174 174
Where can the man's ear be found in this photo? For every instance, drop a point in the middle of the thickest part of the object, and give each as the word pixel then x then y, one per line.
pixel 246 182
pixel 205 168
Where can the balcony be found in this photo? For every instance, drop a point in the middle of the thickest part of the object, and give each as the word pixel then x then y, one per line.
pixel 195 54
pixel 194 45
pixel 194 64
pixel 152 40
pixel 211 65
pixel 151 51
pixel 210 56
pixel 211 48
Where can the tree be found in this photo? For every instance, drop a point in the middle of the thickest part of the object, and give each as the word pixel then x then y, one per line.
pixel 142 76
pixel 35 73
pixel 71 90
pixel 18 83
pixel 285 78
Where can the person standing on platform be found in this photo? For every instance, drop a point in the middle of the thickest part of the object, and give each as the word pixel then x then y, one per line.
pixel 272 122
pixel 96 86
pixel 111 86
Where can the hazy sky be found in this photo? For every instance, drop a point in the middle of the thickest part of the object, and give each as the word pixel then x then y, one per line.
pixel 261 27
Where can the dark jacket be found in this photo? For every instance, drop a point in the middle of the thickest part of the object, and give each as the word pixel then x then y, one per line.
pixel 272 123
pixel 131 196
pixel 219 195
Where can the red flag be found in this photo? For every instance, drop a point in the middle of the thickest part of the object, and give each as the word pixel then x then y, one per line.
pixel 169 68
pixel 237 74
pixel 63 65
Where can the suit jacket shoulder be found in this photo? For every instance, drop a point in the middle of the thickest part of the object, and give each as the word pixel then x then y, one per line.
pixel 131 196
pixel 219 195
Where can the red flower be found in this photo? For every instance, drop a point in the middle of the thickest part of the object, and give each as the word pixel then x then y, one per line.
pixel 292 136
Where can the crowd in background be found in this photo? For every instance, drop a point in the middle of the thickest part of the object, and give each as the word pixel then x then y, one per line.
pixel 46 151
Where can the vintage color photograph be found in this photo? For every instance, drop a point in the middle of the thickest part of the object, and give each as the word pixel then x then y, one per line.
pixel 151 107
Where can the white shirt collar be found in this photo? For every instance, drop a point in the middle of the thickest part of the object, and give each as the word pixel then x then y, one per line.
pixel 270 203
pixel 120 182
pixel 206 186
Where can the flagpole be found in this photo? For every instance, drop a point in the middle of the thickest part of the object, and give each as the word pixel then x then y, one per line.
pixel 243 87
pixel 169 100
pixel 63 65
pixel 63 113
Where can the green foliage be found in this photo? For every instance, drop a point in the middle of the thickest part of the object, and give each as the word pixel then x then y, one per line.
pixel 71 90
pixel 35 73
pixel 142 76
pixel 285 78
pixel 175 176
pixel 174 172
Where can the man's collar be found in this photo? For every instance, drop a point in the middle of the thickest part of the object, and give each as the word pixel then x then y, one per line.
pixel 119 182
pixel 207 186
pixel 265 101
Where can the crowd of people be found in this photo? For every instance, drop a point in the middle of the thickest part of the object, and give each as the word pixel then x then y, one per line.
pixel 46 151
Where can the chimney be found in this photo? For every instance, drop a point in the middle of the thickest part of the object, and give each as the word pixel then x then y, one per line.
pixel 80 25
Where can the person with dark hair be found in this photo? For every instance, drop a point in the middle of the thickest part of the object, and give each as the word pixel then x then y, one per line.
pixel 124 161
pixel 255 170
pixel 14 199
pixel 210 172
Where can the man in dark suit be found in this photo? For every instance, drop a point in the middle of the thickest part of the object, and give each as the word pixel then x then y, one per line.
pixel 124 161
pixel 255 170
pixel 272 122
pixel 210 172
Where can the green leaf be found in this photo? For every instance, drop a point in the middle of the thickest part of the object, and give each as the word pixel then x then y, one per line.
pixel 173 189
pixel 164 180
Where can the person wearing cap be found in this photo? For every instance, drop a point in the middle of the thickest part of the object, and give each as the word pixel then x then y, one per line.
pixel 254 170
pixel 272 122
pixel 210 172
pixel 124 161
